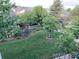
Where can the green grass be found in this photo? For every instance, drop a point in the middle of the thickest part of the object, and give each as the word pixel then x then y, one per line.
pixel 35 47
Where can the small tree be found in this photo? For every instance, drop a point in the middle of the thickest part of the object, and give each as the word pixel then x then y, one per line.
pixel 37 15
pixel 56 8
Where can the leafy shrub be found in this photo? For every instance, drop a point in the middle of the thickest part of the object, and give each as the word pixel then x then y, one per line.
pixel 50 23
pixel 66 38
pixel 8 27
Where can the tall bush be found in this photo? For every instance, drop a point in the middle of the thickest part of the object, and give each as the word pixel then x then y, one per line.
pixel 7 21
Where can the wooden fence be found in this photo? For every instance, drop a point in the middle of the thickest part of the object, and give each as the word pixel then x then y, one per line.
pixel 67 56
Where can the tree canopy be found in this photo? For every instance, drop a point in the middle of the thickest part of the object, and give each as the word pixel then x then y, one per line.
pixel 56 8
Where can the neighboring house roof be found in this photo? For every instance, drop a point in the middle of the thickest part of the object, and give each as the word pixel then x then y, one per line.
pixel 20 9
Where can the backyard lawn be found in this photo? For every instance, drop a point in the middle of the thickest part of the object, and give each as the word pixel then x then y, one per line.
pixel 35 47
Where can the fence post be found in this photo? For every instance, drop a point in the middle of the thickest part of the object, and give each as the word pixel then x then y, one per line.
pixel 0 56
